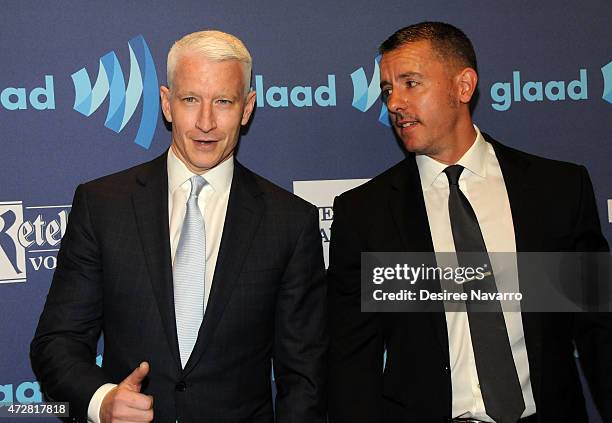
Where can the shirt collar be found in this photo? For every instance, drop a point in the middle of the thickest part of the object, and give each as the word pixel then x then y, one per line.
pixel 473 160
pixel 219 177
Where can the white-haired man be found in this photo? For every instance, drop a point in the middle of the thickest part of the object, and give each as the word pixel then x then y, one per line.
pixel 198 271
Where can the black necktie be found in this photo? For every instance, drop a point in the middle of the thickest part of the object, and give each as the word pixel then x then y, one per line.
pixel 499 383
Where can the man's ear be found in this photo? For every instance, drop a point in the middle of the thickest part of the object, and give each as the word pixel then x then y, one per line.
pixel 164 93
pixel 249 104
pixel 467 80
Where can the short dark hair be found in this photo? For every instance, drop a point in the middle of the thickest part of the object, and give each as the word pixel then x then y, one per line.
pixel 449 42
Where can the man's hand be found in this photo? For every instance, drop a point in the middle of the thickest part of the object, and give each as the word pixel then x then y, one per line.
pixel 125 403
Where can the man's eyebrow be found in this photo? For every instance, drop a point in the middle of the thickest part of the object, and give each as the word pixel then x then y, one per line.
pixel 405 75
pixel 409 75
pixel 192 93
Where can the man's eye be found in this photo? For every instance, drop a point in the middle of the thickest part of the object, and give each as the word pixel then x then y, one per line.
pixel 385 95
pixel 224 101
pixel 189 99
pixel 412 84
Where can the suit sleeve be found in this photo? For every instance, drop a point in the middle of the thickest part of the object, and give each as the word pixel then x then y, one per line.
pixel 593 331
pixel 300 338
pixel 356 341
pixel 63 350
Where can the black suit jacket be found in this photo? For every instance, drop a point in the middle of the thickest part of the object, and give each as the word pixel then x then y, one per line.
pixel 553 209
pixel 267 302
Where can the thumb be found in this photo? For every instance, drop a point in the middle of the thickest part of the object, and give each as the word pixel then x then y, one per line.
pixel 134 380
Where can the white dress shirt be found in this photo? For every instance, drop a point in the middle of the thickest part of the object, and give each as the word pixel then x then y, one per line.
pixel 212 202
pixel 483 184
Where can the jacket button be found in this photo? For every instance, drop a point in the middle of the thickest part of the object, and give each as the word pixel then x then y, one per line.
pixel 180 387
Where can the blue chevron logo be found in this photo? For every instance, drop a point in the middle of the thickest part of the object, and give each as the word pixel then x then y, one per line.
pixel 606 71
pixel 123 100
pixel 365 95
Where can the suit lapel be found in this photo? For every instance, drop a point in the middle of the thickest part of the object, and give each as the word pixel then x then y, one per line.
pixel 515 169
pixel 244 212
pixel 407 206
pixel 150 202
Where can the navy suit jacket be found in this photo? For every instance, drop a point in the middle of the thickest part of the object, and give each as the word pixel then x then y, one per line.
pixel 267 303
pixel 553 209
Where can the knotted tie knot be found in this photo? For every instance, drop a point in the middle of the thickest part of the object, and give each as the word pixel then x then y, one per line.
pixel 453 173
pixel 197 183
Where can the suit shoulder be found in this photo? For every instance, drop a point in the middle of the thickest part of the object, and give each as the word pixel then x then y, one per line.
pixel 376 186
pixel 541 163
pixel 276 194
pixel 123 181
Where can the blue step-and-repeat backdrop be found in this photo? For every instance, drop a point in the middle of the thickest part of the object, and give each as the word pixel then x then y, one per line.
pixel 79 99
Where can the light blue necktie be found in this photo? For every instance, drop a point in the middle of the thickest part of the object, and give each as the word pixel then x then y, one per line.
pixel 189 273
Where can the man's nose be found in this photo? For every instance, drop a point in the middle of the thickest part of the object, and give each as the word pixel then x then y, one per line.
pixel 206 120
pixel 395 102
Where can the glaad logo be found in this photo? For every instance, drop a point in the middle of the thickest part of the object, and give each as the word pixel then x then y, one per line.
pixel 606 71
pixel 503 93
pixel 300 96
pixel 365 95
pixel 33 242
pixel 123 101
pixel 40 98
pixel 25 393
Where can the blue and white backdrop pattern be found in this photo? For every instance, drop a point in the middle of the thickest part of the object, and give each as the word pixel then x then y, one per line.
pixel 79 99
